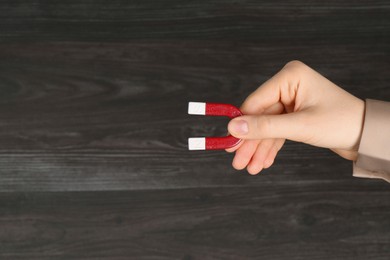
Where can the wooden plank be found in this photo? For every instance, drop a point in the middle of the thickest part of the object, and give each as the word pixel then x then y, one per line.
pixel 93 99
pixel 274 22
pixel 113 116
pixel 322 221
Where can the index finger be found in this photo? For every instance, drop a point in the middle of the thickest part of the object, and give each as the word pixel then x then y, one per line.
pixel 280 88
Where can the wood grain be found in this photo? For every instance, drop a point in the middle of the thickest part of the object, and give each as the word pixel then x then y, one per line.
pixel 94 125
pixel 113 116
pixel 327 221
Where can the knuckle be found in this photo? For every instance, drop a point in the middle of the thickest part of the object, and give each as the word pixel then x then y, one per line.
pixel 295 67
pixel 291 75
pixel 294 64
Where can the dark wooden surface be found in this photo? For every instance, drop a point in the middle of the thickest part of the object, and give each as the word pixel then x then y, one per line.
pixel 93 131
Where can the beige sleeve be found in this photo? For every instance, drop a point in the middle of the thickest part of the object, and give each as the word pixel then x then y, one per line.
pixel 374 151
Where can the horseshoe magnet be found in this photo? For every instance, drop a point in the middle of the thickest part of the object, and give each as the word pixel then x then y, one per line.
pixel 213 109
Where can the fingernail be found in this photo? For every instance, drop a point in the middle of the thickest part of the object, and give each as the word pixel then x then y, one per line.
pixel 240 127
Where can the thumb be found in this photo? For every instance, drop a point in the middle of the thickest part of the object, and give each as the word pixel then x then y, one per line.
pixel 287 126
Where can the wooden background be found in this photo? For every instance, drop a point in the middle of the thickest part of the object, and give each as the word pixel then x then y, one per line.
pixel 94 128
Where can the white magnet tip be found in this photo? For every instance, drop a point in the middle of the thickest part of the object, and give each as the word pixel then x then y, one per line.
pixel 197 143
pixel 196 108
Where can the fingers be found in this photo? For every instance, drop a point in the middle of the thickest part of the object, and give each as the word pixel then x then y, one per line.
pixel 282 87
pixel 262 98
pixel 275 109
pixel 264 128
pixel 244 154
pixel 273 152
pixel 274 96
pixel 234 148
pixel 265 155
pixel 294 126
pixel 257 162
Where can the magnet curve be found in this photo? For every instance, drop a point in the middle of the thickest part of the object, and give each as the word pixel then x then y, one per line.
pixel 213 109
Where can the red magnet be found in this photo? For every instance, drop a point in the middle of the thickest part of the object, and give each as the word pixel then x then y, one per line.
pixel 213 109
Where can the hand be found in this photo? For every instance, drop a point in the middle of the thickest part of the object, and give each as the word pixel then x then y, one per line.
pixel 297 104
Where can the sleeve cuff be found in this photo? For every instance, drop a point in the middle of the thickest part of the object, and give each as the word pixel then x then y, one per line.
pixel 374 150
pixel 362 173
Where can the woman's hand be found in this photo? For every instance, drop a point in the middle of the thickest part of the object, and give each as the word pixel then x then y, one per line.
pixel 297 104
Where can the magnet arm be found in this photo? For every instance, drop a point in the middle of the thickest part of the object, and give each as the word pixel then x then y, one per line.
pixel 212 143
pixel 213 109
